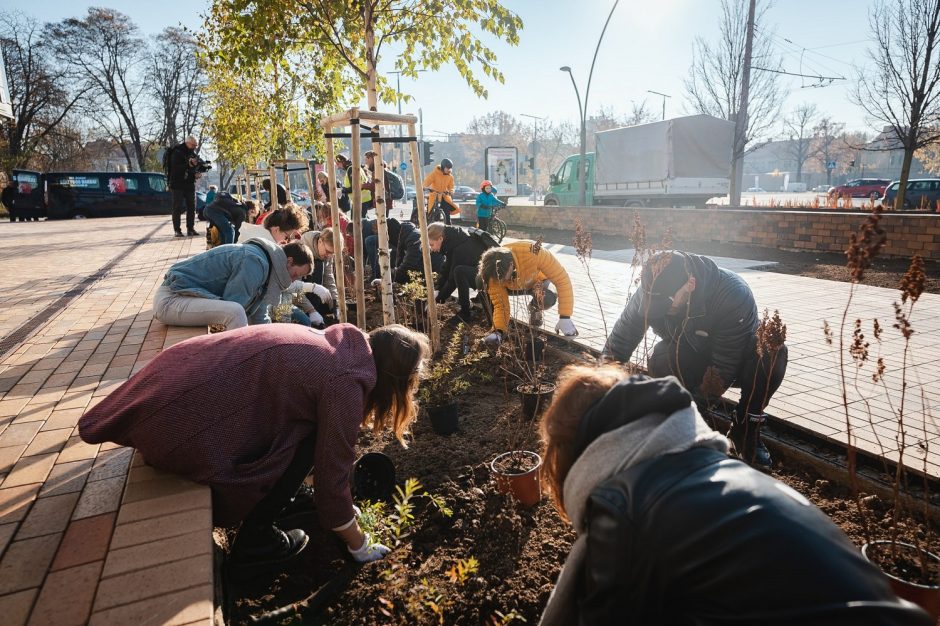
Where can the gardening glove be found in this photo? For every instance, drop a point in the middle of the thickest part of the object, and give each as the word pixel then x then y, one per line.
pixel 376 282
pixel 316 320
pixel 299 286
pixel 566 327
pixel 435 296
pixel 369 551
pixel 494 338
pixel 323 293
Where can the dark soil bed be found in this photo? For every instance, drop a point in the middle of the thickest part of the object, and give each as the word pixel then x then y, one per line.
pixel 823 265
pixel 488 562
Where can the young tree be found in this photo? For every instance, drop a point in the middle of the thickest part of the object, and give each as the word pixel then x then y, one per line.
pixel 639 114
pixel 39 92
pixel 798 126
pixel 902 88
pixel 715 79
pixel 104 53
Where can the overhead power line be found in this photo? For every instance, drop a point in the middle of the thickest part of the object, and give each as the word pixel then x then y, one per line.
pixel 814 76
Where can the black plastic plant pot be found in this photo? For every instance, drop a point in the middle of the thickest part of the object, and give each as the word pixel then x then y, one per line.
pixel 443 418
pixel 535 398
pixel 373 477
pixel 533 349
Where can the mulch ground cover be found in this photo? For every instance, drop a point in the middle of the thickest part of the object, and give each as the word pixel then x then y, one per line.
pixel 486 560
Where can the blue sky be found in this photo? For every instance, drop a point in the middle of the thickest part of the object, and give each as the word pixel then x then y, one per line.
pixel 648 46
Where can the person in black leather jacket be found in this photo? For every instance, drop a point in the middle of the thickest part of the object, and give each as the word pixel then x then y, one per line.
pixel 462 252
pixel 707 318
pixel 408 254
pixel 672 531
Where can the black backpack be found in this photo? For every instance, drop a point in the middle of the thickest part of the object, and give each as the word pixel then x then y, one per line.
pixel 488 240
pixel 394 185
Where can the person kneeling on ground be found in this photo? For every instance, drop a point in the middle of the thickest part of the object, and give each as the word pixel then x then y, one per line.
pixel 408 255
pixel 462 252
pixel 525 268
pixel 225 428
pixel 707 318
pixel 320 283
pixel 226 215
pixel 230 285
pixel 672 531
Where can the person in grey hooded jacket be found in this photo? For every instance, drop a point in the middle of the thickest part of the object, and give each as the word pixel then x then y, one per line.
pixel 231 284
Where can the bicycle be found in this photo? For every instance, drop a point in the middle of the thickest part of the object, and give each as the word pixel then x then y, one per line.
pixel 497 227
pixel 440 212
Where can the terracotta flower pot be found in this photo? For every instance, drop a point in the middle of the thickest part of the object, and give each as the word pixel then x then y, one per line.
pixel 525 485
pixel 443 418
pixel 535 398
pixel 925 596
pixel 373 477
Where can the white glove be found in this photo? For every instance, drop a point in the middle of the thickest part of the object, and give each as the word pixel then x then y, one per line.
pixel 376 282
pixel 435 294
pixel 493 339
pixel 323 293
pixel 316 319
pixel 369 551
pixel 298 286
pixel 304 286
pixel 566 327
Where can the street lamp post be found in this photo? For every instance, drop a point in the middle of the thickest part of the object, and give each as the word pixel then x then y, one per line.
pixel 535 146
pixel 664 95
pixel 582 109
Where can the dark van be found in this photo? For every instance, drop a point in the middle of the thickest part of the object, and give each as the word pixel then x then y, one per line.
pixel 64 195
pixel 28 196
pixel 106 194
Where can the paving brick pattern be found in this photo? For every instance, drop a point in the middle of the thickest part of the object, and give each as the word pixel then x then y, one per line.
pixel 88 534
pixel 810 396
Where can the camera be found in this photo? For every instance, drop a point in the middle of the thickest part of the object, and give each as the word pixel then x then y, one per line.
pixel 202 166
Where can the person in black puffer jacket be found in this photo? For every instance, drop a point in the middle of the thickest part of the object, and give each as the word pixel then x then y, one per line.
pixel 408 254
pixel 707 319
pixel 462 253
pixel 672 531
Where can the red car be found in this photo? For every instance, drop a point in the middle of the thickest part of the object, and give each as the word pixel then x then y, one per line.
pixel 872 188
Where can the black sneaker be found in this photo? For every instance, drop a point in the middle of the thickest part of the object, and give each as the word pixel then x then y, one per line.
pixel 300 509
pixel 266 546
pixel 179 233
pixel 748 443
pixel 193 232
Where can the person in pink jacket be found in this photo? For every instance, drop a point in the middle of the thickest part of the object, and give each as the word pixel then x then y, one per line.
pixel 251 412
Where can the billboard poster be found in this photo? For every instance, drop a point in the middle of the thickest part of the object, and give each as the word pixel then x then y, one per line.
pixel 6 105
pixel 502 170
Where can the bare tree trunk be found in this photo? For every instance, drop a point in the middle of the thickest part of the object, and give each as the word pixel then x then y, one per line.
pixel 740 121
pixel 372 74
pixel 905 174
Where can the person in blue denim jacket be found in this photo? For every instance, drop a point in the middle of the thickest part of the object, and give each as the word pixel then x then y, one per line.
pixel 231 284
pixel 486 200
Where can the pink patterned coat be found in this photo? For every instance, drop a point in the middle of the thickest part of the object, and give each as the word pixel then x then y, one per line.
pixel 228 410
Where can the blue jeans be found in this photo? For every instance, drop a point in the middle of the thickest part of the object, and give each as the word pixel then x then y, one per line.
pixel 220 221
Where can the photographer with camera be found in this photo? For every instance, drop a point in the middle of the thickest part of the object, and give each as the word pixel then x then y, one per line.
pixel 184 167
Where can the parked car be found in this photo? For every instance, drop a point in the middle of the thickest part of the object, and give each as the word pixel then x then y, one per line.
pixel 410 193
pixel 921 193
pixel 823 188
pixel 754 190
pixel 462 193
pixel 872 188
pixel 524 189
pixel 106 194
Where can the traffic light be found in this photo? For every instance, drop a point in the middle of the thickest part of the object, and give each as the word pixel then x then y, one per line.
pixel 428 153
pixel 531 163
pixel 852 163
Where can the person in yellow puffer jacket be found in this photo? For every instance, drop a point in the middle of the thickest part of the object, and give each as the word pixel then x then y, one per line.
pixel 518 268
pixel 440 182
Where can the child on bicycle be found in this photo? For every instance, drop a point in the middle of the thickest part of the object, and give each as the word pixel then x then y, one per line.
pixel 486 201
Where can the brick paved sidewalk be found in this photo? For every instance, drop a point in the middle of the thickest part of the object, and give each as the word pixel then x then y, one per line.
pixel 810 396
pixel 80 294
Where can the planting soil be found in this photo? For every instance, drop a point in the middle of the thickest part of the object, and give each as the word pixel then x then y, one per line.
pixel 471 555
